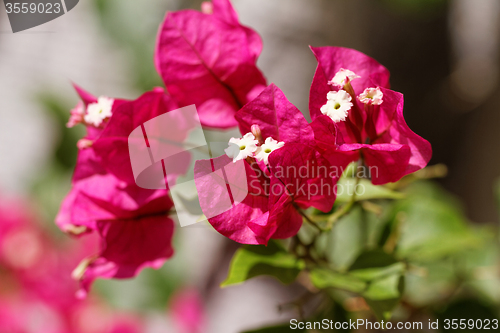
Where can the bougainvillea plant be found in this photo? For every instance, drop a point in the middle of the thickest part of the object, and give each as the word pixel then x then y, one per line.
pixel 326 204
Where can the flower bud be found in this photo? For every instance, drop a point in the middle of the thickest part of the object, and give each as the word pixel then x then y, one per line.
pixel 250 160
pixel 255 129
pixel 84 143
pixel 207 7
pixel 78 272
pixel 74 229
pixel 371 96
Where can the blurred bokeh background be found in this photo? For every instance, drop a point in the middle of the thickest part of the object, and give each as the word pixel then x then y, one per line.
pixel 443 56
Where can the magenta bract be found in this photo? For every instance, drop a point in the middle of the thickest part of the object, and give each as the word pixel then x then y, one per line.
pixel 210 60
pixel 377 133
pixel 132 222
pixel 275 191
pixel 276 116
pixel 112 146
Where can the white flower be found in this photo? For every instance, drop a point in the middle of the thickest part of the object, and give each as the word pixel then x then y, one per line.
pixel 339 80
pixel 98 112
pixel 240 149
pixel 372 96
pixel 338 105
pixel 267 148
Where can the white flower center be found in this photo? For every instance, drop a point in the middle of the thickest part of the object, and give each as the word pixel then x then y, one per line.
pixel 337 106
pixel 98 112
pixel 339 80
pixel 267 148
pixel 372 96
pixel 240 149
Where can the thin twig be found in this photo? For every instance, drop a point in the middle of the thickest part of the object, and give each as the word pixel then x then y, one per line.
pixel 345 209
pixel 306 217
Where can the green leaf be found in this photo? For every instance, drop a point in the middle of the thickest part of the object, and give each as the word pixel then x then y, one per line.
pixel 384 276
pixel 383 308
pixel 432 229
pixel 373 259
pixel 345 240
pixel 430 283
pixel 481 266
pixel 369 274
pixel 254 260
pixel 375 275
pixel 383 288
pixel 325 278
pixel 365 190
pixel 383 295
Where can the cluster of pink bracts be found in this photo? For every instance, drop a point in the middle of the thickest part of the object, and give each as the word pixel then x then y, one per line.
pixel 209 59
pixel 37 292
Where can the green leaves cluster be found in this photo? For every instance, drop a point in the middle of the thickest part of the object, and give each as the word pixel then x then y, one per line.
pixel 273 260
pixel 409 241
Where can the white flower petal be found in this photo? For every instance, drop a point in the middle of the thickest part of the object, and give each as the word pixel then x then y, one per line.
pixel 337 106
pixel 267 148
pixel 240 149
pixel 372 96
pixel 339 80
pixel 98 112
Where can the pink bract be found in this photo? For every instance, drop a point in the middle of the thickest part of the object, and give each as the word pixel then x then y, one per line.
pixel 330 60
pixel 129 246
pixel 277 191
pixel 88 163
pixel 276 116
pixel 112 146
pixel 105 200
pixel 210 60
pixel 377 133
pixel 234 222
pixel 111 207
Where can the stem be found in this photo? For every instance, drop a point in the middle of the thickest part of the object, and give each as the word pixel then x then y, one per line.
pixel 345 209
pixel 307 218
pixel 364 230
pixel 294 245
pixel 430 172
pixel 296 242
pixel 348 206
pixel 392 240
